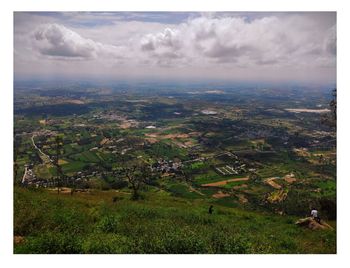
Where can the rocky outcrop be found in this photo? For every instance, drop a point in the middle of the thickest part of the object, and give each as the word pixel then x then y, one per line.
pixel 313 224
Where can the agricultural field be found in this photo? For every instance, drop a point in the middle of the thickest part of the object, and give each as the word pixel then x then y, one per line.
pixel 137 172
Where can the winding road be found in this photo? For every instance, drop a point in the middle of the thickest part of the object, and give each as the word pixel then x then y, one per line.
pixel 44 157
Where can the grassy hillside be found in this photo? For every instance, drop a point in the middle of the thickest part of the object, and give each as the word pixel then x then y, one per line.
pixel 93 223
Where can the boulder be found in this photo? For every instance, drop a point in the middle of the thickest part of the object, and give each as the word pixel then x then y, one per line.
pixel 310 223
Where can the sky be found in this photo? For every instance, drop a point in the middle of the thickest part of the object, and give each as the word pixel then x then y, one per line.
pixel 196 46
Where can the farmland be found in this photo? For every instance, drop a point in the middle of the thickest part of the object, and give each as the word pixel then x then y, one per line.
pixel 258 163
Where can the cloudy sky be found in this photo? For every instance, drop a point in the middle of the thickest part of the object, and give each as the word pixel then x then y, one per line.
pixel 273 47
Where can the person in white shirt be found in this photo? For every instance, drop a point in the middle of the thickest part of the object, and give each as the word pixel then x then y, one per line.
pixel 314 215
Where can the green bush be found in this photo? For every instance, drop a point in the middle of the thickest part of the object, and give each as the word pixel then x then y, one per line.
pixel 222 242
pixel 106 244
pixel 287 245
pixel 51 243
pixel 26 221
pixel 67 220
pixel 173 241
pixel 184 243
pixel 108 224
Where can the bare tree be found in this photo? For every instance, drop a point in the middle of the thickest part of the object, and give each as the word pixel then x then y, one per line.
pixel 59 172
pixel 137 174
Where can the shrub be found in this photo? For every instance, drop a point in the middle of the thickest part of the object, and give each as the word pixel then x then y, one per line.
pixel 106 244
pixel 108 224
pixel 287 245
pixel 51 243
pixel 65 219
pixel 170 241
pixel 329 239
pixel 222 242
pixel 143 212
pixel 26 221
pixel 118 184
pixel 328 208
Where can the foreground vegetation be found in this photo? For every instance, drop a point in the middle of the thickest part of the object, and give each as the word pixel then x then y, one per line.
pixel 109 222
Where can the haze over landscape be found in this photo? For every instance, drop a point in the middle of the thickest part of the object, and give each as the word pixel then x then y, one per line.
pixel 167 132
pixel 272 47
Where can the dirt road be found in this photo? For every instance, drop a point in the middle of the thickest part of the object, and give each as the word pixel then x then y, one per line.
pixel 46 159
pixel 220 183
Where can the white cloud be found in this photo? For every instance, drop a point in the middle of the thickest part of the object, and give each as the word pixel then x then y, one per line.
pixel 269 40
pixel 58 41
pixel 229 46
pixel 163 47
pixel 330 43
pixel 167 39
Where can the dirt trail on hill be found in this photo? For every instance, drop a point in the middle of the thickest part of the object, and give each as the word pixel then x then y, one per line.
pixel 220 183
pixel 272 183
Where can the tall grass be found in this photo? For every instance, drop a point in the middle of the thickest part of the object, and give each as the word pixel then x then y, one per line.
pixel 92 223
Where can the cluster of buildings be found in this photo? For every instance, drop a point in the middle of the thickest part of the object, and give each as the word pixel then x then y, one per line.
pixel 29 177
pixel 230 170
pixel 165 166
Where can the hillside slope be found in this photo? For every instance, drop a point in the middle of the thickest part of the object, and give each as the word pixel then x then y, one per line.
pixel 93 222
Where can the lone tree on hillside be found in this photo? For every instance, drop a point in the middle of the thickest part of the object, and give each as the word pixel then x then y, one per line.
pixel 137 174
pixel 56 158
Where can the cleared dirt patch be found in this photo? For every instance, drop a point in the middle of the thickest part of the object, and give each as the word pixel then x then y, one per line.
pixel 220 194
pixel 176 136
pixel 242 199
pixel 62 162
pixel 220 183
pixel 128 124
pixel 151 140
pixel 104 141
pixel 238 187
pixel 17 239
pixel 168 136
pixel 67 190
pixel 302 152
pixel 63 190
pixel 125 125
pixel 74 101
pixel 290 178
pixel 272 183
